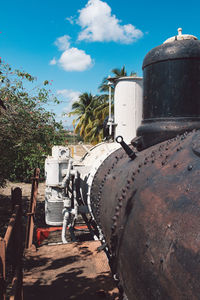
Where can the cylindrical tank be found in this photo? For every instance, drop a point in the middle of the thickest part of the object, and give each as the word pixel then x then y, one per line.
pixel 148 207
pixel 149 212
pixel 171 95
pixel 127 106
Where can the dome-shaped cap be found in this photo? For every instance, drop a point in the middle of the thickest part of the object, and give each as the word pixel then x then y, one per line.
pixel 180 37
pixel 177 47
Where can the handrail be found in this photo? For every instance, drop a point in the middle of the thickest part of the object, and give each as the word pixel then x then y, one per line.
pixel 11 225
pixel 32 208
pixel 13 240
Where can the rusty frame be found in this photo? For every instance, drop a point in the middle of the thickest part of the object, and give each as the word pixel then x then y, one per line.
pixel 32 209
pixel 13 241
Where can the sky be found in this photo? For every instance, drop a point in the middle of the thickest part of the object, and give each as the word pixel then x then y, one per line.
pixel 75 44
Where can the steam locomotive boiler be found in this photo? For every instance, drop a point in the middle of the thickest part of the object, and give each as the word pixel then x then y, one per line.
pixel 144 197
pixel 147 204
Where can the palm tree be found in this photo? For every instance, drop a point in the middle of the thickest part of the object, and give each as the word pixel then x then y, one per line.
pixel 117 73
pixel 84 111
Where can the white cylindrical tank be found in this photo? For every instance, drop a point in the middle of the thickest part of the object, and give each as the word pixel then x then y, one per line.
pixel 127 106
pixel 56 165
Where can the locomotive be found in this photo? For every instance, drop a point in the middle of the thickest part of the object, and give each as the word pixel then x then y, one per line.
pixel 144 197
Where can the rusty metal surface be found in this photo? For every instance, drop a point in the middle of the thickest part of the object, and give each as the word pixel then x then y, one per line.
pixel 71 271
pixel 32 208
pixel 11 250
pixel 2 269
pixel 149 211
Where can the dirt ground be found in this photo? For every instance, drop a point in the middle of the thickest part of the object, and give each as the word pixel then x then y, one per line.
pixel 72 271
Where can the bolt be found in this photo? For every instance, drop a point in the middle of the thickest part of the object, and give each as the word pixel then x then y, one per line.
pixel 113 228
pixel 117 208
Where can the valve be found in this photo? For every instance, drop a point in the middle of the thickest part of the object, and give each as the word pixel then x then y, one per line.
pixel 119 139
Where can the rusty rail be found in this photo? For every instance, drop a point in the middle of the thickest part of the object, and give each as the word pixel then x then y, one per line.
pixel 32 208
pixel 11 250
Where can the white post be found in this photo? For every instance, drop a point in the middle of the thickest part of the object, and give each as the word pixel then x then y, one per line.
pixel 110 120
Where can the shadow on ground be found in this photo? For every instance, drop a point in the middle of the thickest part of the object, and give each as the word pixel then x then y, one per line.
pixel 77 273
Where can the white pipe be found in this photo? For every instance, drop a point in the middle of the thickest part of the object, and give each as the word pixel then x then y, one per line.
pixel 64 228
pixel 63 184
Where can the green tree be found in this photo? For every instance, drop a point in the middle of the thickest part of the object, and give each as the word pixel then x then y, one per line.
pixel 84 110
pixel 116 73
pixel 27 129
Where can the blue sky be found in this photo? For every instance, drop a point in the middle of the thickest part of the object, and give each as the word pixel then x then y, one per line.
pixel 77 43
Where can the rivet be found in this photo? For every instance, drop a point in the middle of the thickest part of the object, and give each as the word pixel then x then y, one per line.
pixel 189 167
pixel 113 228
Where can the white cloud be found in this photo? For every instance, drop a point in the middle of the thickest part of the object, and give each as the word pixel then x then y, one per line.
pixel 71 20
pixel 74 59
pixel 98 24
pixel 69 95
pixel 53 61
pixel 63 42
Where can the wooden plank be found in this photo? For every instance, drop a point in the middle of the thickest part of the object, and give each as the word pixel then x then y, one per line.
pixel 2 269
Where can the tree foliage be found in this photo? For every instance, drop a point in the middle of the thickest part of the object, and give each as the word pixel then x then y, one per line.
pixel 103 87
pixel 91 111
pixel 27 129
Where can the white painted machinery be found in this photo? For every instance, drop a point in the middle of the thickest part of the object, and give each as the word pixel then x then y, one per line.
pixel 69 181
